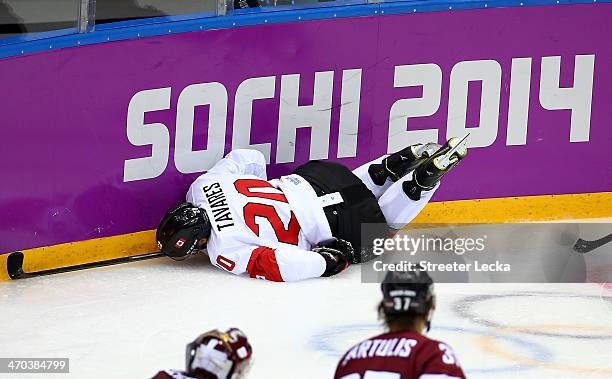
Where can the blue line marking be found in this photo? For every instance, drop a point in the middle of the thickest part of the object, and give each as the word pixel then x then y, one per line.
pixel 322 342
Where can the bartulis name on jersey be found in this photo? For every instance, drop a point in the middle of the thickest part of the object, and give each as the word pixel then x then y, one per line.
pixel 395 347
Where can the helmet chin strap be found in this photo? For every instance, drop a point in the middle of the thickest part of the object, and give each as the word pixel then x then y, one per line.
pixel 428 322
pixel 430 312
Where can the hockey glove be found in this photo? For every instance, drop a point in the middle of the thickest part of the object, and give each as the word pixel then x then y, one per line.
pixel 337 254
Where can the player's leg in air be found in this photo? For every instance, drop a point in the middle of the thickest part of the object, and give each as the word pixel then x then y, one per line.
pixel 405 181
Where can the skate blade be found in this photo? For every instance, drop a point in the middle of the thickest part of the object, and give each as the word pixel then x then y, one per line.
pixel 446 159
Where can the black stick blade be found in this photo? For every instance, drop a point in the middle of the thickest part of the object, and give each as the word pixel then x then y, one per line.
pixel 14 265
pixel 582 246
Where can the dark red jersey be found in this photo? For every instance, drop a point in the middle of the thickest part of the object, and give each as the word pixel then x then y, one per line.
pixel 403 355
pixel 171 374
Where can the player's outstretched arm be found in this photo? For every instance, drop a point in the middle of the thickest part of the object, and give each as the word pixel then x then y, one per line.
pixel 286 263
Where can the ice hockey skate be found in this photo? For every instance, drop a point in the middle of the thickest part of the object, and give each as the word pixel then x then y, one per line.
pixel 428 172
pixel 402 162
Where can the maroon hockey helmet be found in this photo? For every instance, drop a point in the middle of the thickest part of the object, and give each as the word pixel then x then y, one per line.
pixel 220 355
pixel 180 230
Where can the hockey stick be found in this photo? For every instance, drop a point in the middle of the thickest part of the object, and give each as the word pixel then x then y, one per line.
pixel 584 246
pixel 14 265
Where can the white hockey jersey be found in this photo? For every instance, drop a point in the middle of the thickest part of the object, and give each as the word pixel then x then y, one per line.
pixel 265 228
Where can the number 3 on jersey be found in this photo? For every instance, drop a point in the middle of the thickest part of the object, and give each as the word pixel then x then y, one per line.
pixel 248 188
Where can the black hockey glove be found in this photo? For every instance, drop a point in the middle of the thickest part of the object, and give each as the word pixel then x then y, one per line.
pixel 337 254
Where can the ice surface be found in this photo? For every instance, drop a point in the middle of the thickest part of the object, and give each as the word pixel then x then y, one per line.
pixel 132 320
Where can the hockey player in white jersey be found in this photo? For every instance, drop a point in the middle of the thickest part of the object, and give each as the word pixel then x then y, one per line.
pixel 303 225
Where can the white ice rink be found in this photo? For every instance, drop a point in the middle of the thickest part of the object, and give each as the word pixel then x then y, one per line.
pixel 132 320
